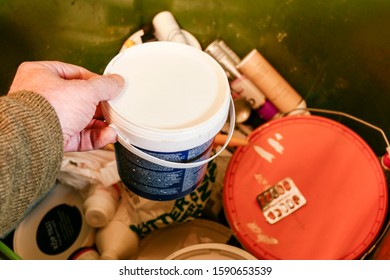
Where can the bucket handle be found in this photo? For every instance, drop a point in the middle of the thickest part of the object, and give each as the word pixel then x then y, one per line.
pixel 385 160
pixel 181 165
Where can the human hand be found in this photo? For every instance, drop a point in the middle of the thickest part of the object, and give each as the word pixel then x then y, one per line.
pixel 75 93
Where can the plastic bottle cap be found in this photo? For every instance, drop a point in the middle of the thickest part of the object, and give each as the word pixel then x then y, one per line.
pixel 267 111
pixel 99 209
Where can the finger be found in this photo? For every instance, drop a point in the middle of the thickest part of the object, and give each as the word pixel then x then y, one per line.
pixel 96 138
pixel 99 113
pixel 68 71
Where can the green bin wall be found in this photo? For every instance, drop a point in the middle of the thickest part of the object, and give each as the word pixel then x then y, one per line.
pixel 335 53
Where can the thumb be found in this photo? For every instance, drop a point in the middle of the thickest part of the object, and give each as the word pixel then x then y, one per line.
pixel 106 87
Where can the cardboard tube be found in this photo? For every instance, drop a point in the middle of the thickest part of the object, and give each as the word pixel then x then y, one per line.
pixel 256 68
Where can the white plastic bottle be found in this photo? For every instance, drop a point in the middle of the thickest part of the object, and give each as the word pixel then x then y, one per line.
pixel 116 241
pixel 166 28
pixel 100 204
pixel 55 228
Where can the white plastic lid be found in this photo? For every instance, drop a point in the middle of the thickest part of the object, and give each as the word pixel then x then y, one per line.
pixel 99 209
pixel 165 241
pixel 211 251
pixel 175 95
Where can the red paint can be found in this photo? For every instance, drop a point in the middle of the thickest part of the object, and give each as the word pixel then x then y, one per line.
pixel 305 187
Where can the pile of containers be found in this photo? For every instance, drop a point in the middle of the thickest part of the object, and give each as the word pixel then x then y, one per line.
pixel 304 219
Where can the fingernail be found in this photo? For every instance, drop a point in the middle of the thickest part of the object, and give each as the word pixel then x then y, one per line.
pixel 119 78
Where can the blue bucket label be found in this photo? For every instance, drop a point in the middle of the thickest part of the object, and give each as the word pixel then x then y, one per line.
pixel 157 182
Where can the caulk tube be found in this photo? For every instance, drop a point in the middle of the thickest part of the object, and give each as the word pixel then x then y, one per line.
pixel 100 204
pixel 239 83
pixel 116 241
pixel 166 28
pixel 232 55
pixel 270 82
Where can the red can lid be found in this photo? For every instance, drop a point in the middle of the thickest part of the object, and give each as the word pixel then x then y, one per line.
pixel 305 187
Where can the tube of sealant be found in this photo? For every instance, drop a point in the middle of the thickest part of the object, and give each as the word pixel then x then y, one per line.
pixel 270 82
pixel 239 83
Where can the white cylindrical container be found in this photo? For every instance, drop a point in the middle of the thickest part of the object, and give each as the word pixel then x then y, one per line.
pixel 55 228
pixel 100 204
pixel 116 241
pixel 166 28
pixel 176 99
pixel 269 81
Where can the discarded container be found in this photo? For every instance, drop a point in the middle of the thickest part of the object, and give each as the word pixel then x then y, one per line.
pixel 305 187
pixel 116 241
pixel 270 82
pixel 211 251
pixel 100 204
pixel 55 228
pixel 167 29
pixel 175 101
pixel 165 241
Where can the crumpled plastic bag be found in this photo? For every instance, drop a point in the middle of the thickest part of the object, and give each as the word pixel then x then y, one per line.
pixel 81 169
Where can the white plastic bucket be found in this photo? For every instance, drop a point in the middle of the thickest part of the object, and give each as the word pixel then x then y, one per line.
pixel 176 99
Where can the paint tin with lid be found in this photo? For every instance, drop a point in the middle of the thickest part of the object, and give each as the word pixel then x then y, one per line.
pixel 176 99
pixel 305 187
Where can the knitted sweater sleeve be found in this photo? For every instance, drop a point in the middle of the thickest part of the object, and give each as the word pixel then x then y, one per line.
pixel 31 151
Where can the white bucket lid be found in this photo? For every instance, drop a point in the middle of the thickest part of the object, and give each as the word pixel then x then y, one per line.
pixel 176 97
